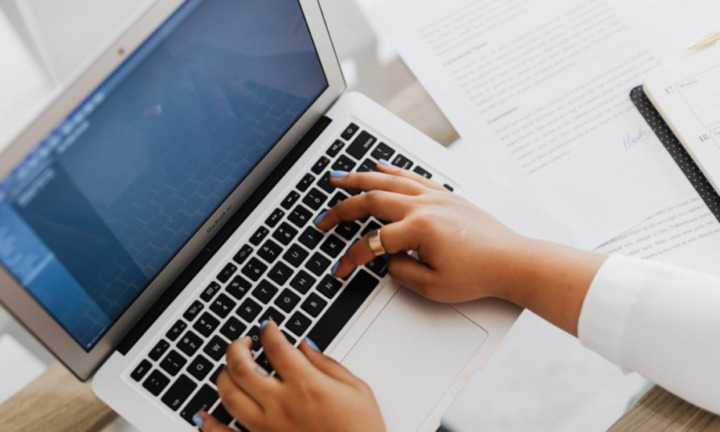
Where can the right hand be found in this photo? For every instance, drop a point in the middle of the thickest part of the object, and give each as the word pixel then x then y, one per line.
pixel 463 253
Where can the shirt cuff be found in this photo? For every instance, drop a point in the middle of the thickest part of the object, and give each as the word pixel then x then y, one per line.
pixel 608 304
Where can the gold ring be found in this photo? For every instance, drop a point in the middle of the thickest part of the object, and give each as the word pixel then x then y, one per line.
pixel 375 242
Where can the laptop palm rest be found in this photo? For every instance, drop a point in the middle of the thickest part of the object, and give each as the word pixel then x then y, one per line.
pixel 413 343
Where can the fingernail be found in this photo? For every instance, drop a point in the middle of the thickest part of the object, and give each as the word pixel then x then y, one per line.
pixel 263 324
pixel 197 420
pixel 312 344
pixel 385 162
pixel 319 218
pixel 334 268
pixel 338 174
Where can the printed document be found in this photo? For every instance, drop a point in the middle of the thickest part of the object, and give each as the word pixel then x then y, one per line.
pixel 539 93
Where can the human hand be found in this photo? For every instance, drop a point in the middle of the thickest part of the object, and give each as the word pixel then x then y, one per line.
pixel 463 252
pixel 314 393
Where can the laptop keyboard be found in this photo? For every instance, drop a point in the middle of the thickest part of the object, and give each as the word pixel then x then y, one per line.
pixel 281 273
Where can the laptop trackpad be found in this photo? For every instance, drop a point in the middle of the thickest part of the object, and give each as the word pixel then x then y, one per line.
pixel 411 355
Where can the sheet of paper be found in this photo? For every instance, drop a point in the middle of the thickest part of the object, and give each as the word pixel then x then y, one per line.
pixel 539 93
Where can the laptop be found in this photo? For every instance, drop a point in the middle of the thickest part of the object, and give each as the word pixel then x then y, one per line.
pixel 162 206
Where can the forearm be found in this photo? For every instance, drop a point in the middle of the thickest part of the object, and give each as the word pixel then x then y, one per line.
pixel 552 281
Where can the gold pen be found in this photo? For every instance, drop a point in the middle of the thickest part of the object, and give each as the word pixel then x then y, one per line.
pixel 706 42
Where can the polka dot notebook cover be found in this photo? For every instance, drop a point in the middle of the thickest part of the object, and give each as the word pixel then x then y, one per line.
pixel 676 149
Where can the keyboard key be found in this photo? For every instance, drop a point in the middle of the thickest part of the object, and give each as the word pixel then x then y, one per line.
pixel 206 325
pixel 227 272
pixel 190 343
pixel 239 287
pixel 259 236
pixel 344 163
pixel 287 300
pixel 306 182
pixel 193 311
pixel 265 291
pixel 173 363
pixel 156 383
pixel 362 144
pixel 368 166
pixel 329 286
pixel 270 251
pixel 420 170
pixel 223 305
pixel 285 234
pixel 264 363
pixel 448 187
pixel 320 165
pixel 216 373
pixel 324 183
pixel 337 199
pixel 300 216
pixel 290 339
pixel 383 151
pixel 210 291
pixel 249 310
pixel 254 335
pixel 159 350
pixel 335 148
pixel 221 414
pixel 232 329
pixel 315 199
pixel 342 310
pixel 141 370
pixel 280 273
pixel 302 282
pixel 295 255
pixel 333 246
pixel 290 200
pixel 379 266
pixel 203 400
pixel 402 162
pixel 298 324
pixel 254 269
pixel 317 264
pixel 350 131
pixel 274 218
pixel 200 367
pixel 272 314
pixel 243 254
pixel 372 226
pixel 313 305
pixel 176 330
pixel 311 237
pixel 178 393
pixel 216 348
pixel 348 230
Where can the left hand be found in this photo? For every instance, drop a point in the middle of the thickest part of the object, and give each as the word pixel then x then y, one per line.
pixel 314 393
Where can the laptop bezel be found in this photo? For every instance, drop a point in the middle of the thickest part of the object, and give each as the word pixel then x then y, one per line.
pixel 20 303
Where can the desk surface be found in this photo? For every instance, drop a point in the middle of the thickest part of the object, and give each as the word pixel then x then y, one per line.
pixel 56 401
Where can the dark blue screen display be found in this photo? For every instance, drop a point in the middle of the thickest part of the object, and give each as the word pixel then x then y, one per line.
pixel 105 201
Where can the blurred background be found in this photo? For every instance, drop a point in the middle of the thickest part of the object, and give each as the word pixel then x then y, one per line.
pixel 539 380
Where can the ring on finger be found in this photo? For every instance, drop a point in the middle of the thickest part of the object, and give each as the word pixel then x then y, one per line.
pixel 375 242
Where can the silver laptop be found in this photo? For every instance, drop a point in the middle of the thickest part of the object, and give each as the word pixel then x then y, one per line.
pixel 162 207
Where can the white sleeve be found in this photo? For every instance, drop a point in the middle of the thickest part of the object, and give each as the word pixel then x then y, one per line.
pixel 660 321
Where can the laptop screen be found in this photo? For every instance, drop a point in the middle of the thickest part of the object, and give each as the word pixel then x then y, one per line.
pixel 106 200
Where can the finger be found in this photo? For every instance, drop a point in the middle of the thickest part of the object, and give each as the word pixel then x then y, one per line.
pixel 395 238
pixel 285 359
pixel 247 374
pixel 367 181
pixel 328 365
pixel 211 424
pixel 238 404
pixel 383 205
pixel 410 273
pixel 392 169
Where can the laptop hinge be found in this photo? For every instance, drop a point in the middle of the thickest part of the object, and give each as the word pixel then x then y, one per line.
pixel 222 236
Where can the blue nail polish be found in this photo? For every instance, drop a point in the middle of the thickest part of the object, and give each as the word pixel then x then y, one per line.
pixel 312 344
pixel 338 174
pixel 385 162
pixel 263 324
pixel 197 420
pixel 319 218
pixel 334 268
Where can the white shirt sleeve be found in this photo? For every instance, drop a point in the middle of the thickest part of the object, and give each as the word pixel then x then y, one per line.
pixel 660 321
